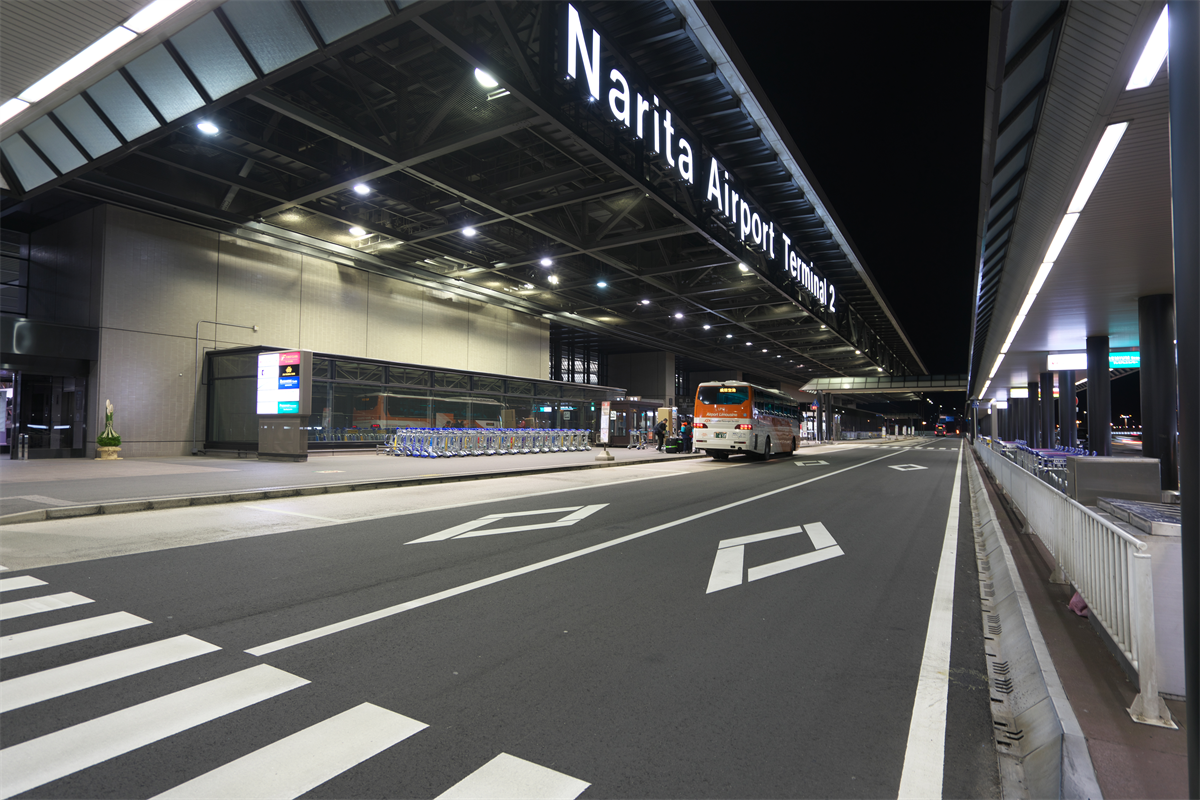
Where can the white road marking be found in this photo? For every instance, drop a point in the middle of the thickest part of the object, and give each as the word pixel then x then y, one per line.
pixel 507 777
pixel 727 566
pixel 38 605
pixel 48 684
pixel 22 582
pixel 906 467
pixel 400 608
pixel 38 498
pixel 299 763
pixel 795 562
pixel 47 758
pixel 296 514
pixel 809 463
pixel 468 529
pixel 726 569
pixel 55 635
pixel 925 754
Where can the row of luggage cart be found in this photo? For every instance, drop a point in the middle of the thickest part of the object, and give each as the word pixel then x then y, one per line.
pixel 1048 464
pixel 452 442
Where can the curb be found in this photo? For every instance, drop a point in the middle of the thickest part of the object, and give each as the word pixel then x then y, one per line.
pixel 1041 748
pixel 160 503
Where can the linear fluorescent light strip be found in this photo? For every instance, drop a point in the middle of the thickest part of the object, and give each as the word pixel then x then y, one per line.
pixel 1153 55
pixel 91 55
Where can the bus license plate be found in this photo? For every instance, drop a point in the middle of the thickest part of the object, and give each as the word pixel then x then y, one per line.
pixel 718 435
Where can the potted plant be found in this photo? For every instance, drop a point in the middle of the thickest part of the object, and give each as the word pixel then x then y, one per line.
pixel 108 443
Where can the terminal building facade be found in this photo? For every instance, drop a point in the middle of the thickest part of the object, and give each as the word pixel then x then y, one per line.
pixel 473 214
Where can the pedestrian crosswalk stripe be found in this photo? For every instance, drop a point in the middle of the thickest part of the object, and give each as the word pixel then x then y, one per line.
pixel 48 684
pixel 37 605
pixel 20 582
pixel 31 764
pixel 55 635
pixel 507 777
pixel 299 763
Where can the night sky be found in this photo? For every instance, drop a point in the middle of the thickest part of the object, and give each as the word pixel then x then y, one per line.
pixel 885 102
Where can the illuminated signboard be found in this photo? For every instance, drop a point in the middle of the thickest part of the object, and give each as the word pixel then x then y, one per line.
pixel 1078 361
pixel 647 118
pixel 284 383
pixel 1019 393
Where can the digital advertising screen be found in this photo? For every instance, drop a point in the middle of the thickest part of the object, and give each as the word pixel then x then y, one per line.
pixel 284 383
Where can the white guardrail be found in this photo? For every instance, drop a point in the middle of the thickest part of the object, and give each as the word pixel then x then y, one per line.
pixel 1106 565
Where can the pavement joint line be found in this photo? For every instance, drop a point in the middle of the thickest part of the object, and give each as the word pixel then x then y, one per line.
pixel 128 505
pixel 373 616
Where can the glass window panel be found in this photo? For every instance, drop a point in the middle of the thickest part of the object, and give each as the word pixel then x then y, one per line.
pixel 408 377
pixel 355 407
pixel 87 127
pixel 520 387
pixel 234 364
pixel 549 390
pixel 122 106
pixel 451 411
pixel 407 409
pixel 212 56
pixel 322 413
pixel 31 170
pixel 273 32
pixel 451 380
pixel 232 415
pixel 320 368
pixel 358 371
pixel 164 83
pixel 484 384
pixel 335 20
pixel 487 412
pixel 55 144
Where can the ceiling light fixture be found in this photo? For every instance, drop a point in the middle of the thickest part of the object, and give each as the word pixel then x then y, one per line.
pixel 206 127
pixel 469 232
pixel 1153 55
pixel 357 231
pixel 545 262
pixel 1095 168
pixel 529 286
pixel 11 108
pixel 362 188
pixel 678 315
pixel 87 58
pixel 645 302
pixel 554 279
pixel 153 14
pixel 601 284
pixel 707 327
pixel 485 80
pixel 729 336
pixel 743 267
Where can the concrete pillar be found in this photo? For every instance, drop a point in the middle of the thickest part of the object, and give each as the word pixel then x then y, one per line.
pixel 1099 392
pixel 1034 416
pixel 1184 90
pixel 819 416
pixel 829 426
pixel 1066 409
pixel 1156 335
pixel 1046 403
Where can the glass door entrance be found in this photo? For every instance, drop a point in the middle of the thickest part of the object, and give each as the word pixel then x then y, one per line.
pixel 52 410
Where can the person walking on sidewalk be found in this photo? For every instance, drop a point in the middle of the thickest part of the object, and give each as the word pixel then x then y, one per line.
pixel 660 433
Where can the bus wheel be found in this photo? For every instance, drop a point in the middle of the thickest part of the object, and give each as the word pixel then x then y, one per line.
pixel 793 451
pixel 766 453
pixel 719 455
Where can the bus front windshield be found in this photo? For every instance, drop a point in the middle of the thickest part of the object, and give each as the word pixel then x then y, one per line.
pixel 723 395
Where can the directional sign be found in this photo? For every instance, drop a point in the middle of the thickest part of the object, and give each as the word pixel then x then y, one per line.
pixel 809 463
pixel 906 467
pixel 727 569
pixel 468 529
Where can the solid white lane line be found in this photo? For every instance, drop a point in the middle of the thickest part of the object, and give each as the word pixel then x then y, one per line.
pixel 55 635
pixel 795 562
pixel 507 777
pixel 299 763
pixel 59 681
pixel 383 613
pixel 47 758
pixel 37 605
pixel 925 755
pixel 297 514
pixel 21 582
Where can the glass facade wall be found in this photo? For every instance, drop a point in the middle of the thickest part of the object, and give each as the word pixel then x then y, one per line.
pixel 357 402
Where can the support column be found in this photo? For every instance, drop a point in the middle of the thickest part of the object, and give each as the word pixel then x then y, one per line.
pixel 828 411
pixel 819 417
pixel 1184 61
pixel 1066 408
pixel 1047 405
pixel 1099 390
pixel 1034 416
pixel 1156 335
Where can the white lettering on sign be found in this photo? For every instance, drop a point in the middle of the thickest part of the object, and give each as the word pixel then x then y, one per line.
pixel 649 120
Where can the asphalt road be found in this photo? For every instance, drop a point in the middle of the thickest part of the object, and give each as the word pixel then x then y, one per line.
pixel 601 639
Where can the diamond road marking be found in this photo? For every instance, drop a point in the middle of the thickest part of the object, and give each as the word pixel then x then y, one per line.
pixel 728 565
pixel 809 463
pixel 468 529
pixel 906 467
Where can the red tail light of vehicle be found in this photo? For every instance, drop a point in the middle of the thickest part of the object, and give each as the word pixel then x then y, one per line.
pixel 700 425
pixel 745 427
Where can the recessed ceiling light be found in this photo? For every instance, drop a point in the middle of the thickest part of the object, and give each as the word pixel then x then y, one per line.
pixel 207 127
pixel 546 262
pixel 468 232
pixel 357 231
pixel 749 344
pixel 822 327
pixel 678 315
pixel 645 302
pixel 362 188
pixel 729 336
pixel 764 349
pixel 485 80
pixel 858 352
pixel 743 267
pixel 707 327
pixel 602 284
pixel 554 279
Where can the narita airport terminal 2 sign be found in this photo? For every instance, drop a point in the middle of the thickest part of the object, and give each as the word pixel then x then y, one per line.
pixel 650 120
pixel 285 383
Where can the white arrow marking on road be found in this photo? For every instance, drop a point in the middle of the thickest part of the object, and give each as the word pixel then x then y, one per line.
pixel 809 463
pixel 907 467
pixel 468 529
pixel 728 565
